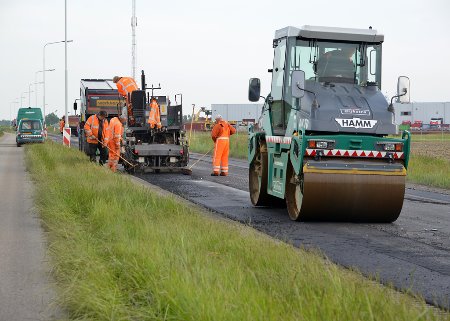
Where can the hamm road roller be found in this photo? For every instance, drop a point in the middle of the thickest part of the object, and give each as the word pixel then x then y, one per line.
pixel 322 142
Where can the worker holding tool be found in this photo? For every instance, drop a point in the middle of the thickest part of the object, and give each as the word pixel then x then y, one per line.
pixel 96 135
pixel 115 133
pixel 220 135
pixel 154 119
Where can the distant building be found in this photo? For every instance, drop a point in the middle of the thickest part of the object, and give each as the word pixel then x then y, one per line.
pixel 424 112
pixel 237 112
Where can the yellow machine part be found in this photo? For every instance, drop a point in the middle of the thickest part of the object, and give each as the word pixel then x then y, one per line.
pixel 351 194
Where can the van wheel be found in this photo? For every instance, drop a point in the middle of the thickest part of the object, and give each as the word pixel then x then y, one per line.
pixel 18 145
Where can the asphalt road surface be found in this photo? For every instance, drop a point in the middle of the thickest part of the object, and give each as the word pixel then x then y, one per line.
pixel 26 291
pixel 412 253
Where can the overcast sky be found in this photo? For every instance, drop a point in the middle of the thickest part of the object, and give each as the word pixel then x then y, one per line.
pixel 206 49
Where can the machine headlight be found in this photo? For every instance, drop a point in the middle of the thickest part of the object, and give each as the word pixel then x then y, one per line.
pixel 391 147
pixel 322 144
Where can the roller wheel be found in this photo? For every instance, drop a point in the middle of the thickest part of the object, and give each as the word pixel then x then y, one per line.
pixel 257 180
pixel 294 194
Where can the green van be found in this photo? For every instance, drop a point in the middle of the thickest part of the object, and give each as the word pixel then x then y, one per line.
pixel 30 126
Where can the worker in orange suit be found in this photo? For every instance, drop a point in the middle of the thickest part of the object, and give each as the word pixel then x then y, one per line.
pixel 220 135
pixel 125 86
pixel 96 132
pixel 154 119
pixel 61 125
pixel 115 134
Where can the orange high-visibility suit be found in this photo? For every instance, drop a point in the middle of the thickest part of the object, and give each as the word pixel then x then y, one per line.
pixel 115 132
pixel 220 134
pixel 154 119
pixel 91 129
pixel 125 86
pixel 61 125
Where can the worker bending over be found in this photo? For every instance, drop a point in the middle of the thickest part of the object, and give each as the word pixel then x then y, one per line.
pixel 95 130
pixel 220 135
pixel 125 86
pixel 154 119
pixel 115 134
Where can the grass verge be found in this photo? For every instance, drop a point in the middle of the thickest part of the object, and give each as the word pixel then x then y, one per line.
pixel 121 252
pixel 431 171
pixel 201 142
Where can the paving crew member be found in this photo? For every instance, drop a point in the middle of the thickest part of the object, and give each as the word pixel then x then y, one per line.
pixel 61 125
pixel 125 86
pixel 115 134
pixel 220 135
pixel 154 118
pixel 95 129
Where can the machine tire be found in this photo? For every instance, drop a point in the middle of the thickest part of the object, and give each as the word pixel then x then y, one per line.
pixel 18 145
pixel 294 195
pixel 257 180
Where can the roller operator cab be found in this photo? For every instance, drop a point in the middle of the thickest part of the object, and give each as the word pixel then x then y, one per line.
pixel 322 143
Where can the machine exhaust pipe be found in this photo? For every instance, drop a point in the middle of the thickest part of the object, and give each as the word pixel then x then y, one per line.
pixel 142 80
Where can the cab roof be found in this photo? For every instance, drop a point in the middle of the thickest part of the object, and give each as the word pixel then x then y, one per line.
pixel 331 33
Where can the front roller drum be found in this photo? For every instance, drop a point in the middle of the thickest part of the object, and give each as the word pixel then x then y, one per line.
pixel 345 197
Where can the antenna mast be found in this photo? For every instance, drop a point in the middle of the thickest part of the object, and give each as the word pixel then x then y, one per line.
pixel 133 39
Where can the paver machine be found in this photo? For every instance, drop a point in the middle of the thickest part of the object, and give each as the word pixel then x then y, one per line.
pixel 154 149
pixel 322 142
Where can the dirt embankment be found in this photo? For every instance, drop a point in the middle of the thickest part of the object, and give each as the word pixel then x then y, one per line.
pixel 433 149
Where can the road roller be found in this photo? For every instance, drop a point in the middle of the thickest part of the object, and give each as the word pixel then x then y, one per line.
pixel 326 144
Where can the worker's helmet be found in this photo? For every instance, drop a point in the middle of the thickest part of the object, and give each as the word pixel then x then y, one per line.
pixel 218 117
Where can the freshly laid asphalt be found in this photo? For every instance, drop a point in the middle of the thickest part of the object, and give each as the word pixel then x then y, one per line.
pixel 412 254
pixel 26 287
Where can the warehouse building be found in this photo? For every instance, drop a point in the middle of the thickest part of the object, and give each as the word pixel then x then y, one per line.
pixel 426 112
pixel 247 113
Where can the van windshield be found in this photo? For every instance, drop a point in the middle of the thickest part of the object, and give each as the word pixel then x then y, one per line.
pixel 30 125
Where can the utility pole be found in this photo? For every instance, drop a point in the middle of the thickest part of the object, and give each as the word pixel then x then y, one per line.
pixel 133 38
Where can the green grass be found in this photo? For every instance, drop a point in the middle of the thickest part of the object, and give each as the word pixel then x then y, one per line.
pixel 430 171
pixel 5 129
pixel 121 252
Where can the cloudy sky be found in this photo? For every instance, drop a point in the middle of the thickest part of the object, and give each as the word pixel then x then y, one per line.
pixel 205 49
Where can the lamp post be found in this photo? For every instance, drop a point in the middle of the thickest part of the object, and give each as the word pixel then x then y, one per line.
pixel 35 82
pixel 21 97
pixel 43 68
pixel 29 94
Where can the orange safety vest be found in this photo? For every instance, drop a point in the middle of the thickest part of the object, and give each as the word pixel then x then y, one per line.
pixel 155 117
pixel 61 125
pixel 126 85
pixel 115 132
pixel 222 129
pixel 91 130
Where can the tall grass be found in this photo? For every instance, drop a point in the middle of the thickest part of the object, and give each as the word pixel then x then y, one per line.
pixel 122 252
pixel 429 170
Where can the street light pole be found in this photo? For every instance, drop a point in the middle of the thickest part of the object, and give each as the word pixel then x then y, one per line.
pixel 35 82
pixel 43 68
pixel 21 97
pixel 66 121
pixel 29 94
